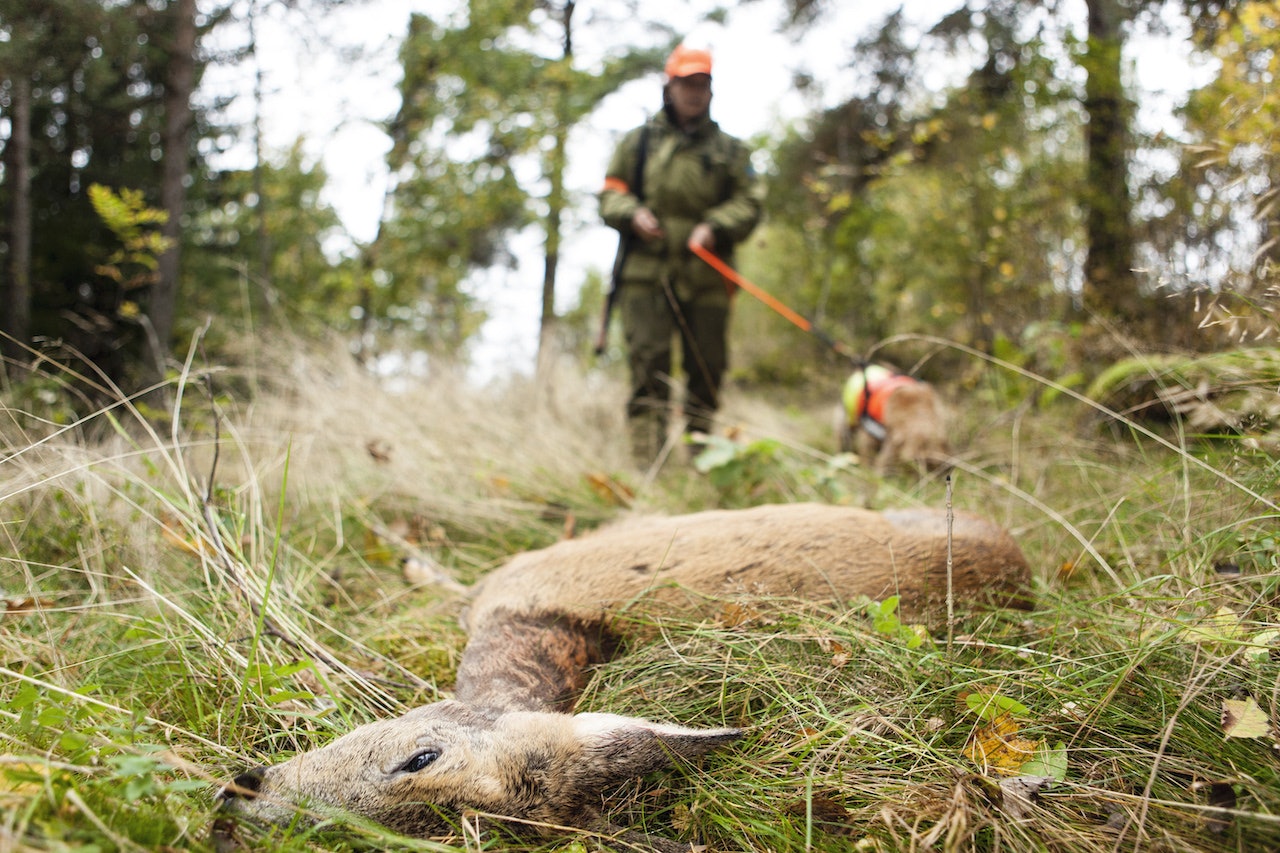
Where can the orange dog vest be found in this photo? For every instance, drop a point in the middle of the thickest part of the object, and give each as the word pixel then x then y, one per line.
pixel 867 390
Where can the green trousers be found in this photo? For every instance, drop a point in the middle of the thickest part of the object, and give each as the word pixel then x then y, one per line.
pixel 652 319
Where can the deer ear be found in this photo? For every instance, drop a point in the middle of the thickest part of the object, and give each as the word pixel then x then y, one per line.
pixel 618 748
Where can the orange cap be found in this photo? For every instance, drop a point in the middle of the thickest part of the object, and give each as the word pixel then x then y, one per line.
pixel 685 62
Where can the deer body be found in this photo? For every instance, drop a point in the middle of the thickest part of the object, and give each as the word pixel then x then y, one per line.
pixel 508 744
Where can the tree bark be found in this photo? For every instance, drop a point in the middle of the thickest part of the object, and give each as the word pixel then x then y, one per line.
pixel 555 205
pixel 179 84
pixel 260 211
pixel 1110 286
pixel 16 319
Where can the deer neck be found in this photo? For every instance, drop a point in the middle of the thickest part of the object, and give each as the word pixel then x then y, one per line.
pixel 530 662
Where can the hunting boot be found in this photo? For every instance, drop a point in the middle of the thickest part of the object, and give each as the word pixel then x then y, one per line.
pixel 648 435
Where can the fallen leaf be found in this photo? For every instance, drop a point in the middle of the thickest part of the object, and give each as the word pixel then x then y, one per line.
pixel 840 653
pixel 1048 762
pixel 1222 625
pixel 22 778
pixel 424 571
pixel 1222 795
pixel 734 615
pixel 998 746
pixel 610 490
pixel 1244 719
pixel 1259 649
pixel 989 705
pixel 1020 793
pixel 194 545
pixel 22 606
pixel 824 811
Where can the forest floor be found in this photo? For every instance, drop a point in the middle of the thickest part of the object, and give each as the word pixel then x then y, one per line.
pixel 207 583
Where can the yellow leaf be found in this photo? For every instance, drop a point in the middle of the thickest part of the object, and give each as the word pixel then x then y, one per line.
pixel 194 545
pixel 998 746
pixel 21 778
pixel 1222 625
pixel 609 489
pixel 735 615
pixel 1260 647
pixel 1243 718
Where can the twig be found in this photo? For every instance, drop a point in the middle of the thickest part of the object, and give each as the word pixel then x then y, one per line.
pixel 951 598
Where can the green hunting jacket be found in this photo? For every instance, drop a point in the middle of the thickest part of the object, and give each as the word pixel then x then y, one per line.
pixel 701 176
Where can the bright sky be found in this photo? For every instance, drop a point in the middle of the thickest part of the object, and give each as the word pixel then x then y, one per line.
pixel 335 103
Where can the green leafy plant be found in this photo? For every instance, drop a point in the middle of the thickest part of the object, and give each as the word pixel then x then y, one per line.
pixel 136 226
pixel 885 619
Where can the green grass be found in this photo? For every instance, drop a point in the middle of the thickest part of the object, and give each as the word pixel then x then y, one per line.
pixel 206 585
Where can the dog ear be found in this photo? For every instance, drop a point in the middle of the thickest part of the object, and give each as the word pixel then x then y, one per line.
pixel 616 748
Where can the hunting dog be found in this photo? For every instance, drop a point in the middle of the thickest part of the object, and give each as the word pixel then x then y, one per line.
pixel 888 417
pixel 509 744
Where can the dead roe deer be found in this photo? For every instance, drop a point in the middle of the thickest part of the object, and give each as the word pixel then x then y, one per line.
pixel 508 743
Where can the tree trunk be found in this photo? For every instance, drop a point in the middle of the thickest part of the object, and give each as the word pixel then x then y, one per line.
pixel 179 83
pixel 260 211
pixel 16 320
pixel 1110 286
pixel 555 207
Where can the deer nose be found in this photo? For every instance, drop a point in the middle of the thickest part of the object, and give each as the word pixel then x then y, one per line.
pixel 245 786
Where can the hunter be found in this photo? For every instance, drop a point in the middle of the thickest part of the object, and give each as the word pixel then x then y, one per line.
pixel 677 180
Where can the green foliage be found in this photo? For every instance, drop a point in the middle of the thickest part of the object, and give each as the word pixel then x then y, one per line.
pixel 136 226
pixel 763 470
pixel 989 706
pixel 1226 185
pixel 884 618
pixel 482 102
pixel 944 216
pixel 1049 762
pixel 256 251
pixel 96 74
pixel 1225 392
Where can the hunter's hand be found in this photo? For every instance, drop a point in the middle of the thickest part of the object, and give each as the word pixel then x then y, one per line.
pixel 703 237
pixel 645 225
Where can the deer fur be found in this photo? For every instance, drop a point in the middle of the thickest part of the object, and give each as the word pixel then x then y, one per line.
pixel 508 743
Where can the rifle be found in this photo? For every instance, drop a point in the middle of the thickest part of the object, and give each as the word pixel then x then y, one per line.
pixel 625 238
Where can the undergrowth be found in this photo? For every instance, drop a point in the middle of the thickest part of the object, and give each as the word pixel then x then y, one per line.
pixel 269 557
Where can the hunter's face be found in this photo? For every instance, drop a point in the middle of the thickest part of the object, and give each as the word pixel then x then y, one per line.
pixel 690 96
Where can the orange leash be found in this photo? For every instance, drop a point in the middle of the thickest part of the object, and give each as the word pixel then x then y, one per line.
pixel 733 276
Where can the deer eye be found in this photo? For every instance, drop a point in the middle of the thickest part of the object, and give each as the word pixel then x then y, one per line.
pixel 419 761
